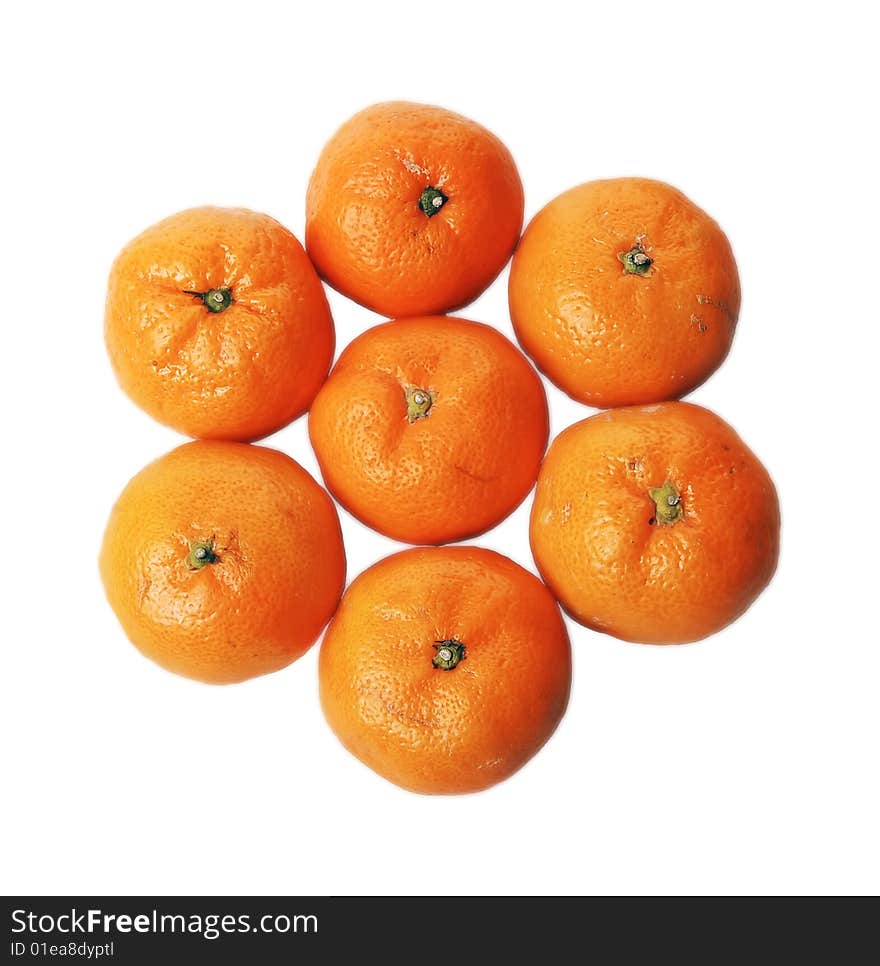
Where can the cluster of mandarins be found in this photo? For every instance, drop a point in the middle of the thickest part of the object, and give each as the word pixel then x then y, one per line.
pixel 444 669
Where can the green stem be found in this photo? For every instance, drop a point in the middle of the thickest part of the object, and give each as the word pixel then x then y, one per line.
pixel 418 403
pixel 449 653
pixel 667 503
pixel 215 299
pixel 201 553
pixel 636 261
pixel 431 200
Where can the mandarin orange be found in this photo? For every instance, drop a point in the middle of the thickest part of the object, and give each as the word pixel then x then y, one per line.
pixel 654 523
pixel 623 292
pixel 430 429
pixel 217 324
pixel 223 561
pixel 445 669
pixel 412 209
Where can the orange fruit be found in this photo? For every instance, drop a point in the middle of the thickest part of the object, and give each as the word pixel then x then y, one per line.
pixel 223 561
pixel 412 209
pixel 624 292
pixel 217 324
pixel 445 669
pixel 430 429
pixel 654 523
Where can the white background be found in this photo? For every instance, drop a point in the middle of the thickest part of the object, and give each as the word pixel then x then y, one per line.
pixel 746 763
